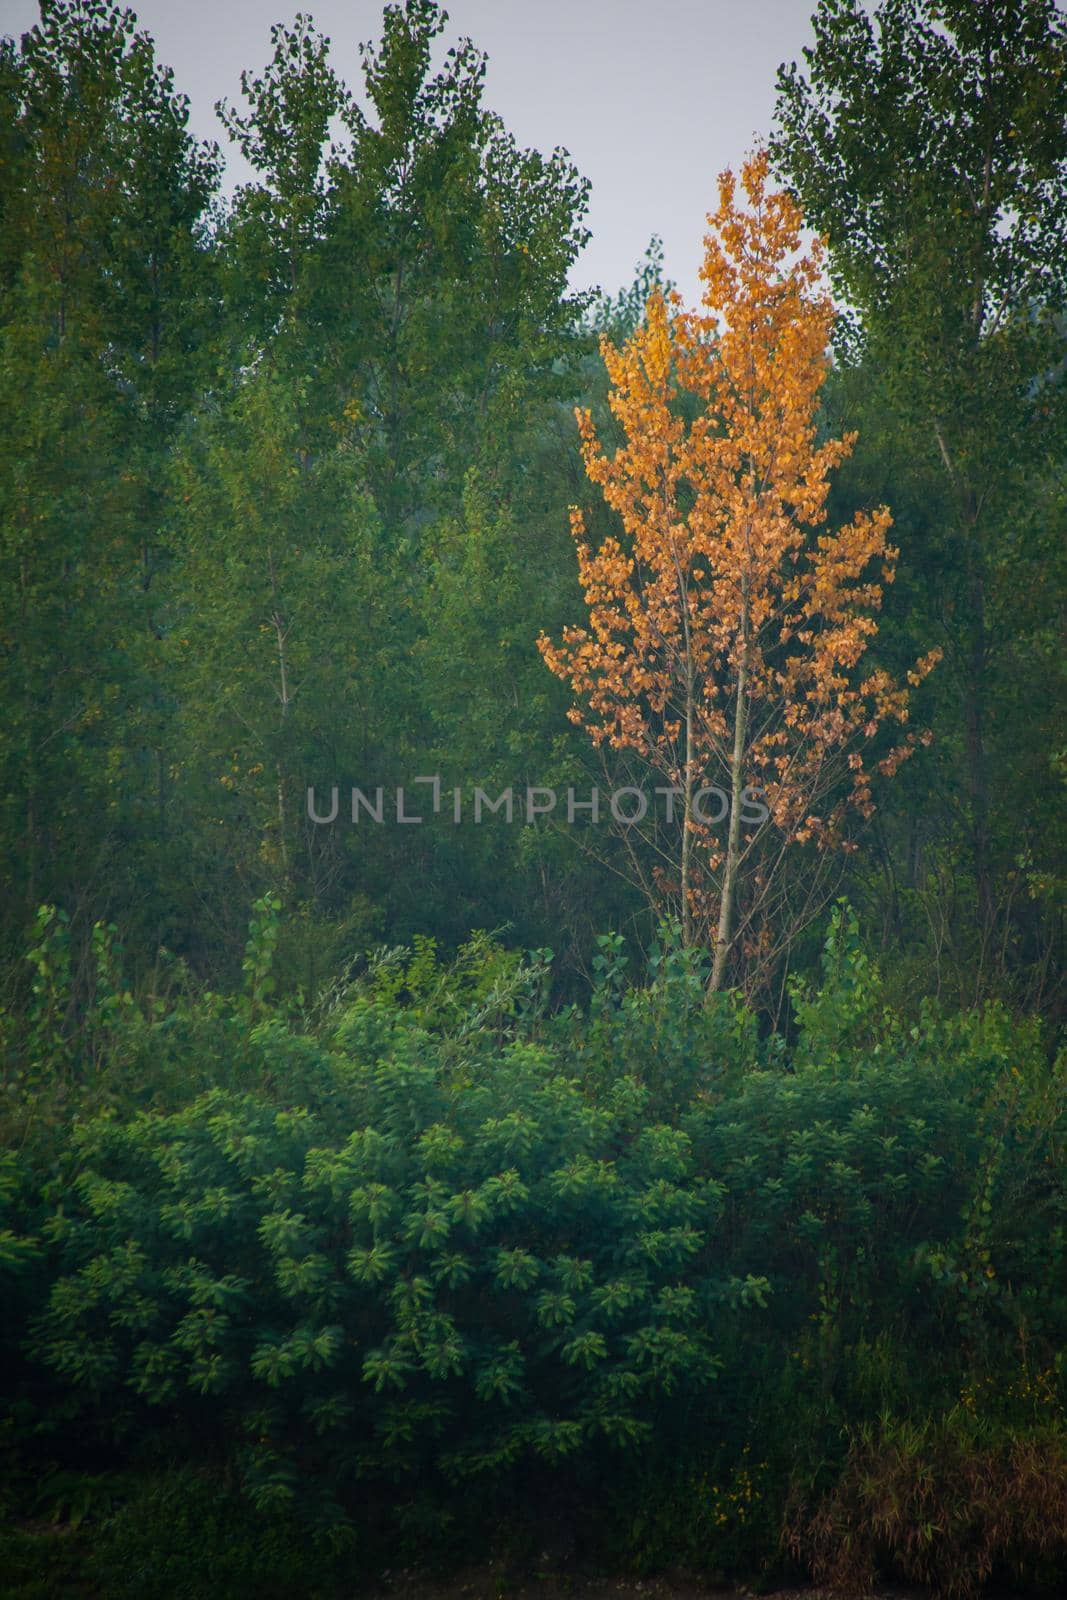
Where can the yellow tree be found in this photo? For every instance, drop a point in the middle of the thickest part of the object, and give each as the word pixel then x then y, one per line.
pixel 726 630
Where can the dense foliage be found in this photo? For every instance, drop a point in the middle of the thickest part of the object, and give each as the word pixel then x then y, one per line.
pixel 284 491
pixel 329 1242
pixel 437 1249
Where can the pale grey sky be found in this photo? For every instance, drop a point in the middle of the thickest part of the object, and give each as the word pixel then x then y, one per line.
pixel 651 97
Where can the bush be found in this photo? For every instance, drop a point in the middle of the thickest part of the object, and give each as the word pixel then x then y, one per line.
pixel 430 1254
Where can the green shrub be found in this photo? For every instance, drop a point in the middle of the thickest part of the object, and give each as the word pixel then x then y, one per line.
pixel 428 1256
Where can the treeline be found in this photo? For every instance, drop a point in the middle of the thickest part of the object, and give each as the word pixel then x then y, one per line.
pixel 332 1233
pixel 284 485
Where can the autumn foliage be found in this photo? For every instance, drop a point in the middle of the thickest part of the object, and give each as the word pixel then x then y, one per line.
pixel 727 629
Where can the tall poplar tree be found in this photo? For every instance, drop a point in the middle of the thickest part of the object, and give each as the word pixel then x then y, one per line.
pixel 928 141
pixel 105 312
pixel 727 633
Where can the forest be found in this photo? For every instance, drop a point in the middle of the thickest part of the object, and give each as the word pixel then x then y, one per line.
pixel 532 822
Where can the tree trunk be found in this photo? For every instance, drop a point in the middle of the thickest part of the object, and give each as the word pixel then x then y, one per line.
pixel 687 813
pixel 283 697
pixel 724 935
pixel 977 783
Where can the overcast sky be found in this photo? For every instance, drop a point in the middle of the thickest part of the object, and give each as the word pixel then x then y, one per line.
pixel 651 97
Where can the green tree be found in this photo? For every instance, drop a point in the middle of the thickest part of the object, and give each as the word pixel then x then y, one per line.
pixel 929 143
pixel 286 644
pixel 453 246
pixel 103 321
pixel 395 367
pixel 276 225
